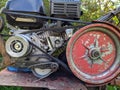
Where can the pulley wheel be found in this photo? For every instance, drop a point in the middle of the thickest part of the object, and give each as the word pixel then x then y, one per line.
pixel 93 53
pixel 41 73
pixel 18 46
pixel 45 70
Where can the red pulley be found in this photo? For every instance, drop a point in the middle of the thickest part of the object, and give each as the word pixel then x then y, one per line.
pixel 93 53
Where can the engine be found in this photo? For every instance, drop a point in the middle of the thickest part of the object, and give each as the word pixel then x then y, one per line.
pixel 33 50
pixel 69 9
pixel 45 43
pixel 19 46
pixel 22 52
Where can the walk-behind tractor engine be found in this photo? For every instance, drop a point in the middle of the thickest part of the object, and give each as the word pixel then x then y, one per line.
pixel 19 46
pixel 42 43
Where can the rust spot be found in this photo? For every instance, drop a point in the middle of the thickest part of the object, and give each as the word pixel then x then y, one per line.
pixel 6 59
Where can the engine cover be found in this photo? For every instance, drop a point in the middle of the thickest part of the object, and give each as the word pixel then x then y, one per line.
pixel 35 6
pixel 25 6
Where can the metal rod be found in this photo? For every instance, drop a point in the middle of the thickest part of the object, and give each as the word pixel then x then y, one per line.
pixel 44 17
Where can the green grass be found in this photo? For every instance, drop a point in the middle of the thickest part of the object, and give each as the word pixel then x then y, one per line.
pixel 113 87
pixel 19 88
pixel 10 88
pixel 1 58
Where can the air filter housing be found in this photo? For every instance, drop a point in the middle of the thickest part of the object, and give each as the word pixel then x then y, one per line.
pixel 66 8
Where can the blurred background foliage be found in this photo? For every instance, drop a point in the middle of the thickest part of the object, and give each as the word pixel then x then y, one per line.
pixel 2 3
pixel 92 9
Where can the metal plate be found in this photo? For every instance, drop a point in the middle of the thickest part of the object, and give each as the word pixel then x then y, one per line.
pixel 93 53
pixel 54 82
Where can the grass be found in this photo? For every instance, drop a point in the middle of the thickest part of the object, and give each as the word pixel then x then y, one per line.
pixel 10 88
pixel 113 87
pixel 1 58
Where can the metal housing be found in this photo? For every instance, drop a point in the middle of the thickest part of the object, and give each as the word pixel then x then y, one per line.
pixel 33 7
pixel 66 8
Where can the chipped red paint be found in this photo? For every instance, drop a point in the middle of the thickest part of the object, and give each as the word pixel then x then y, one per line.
pixel 93 53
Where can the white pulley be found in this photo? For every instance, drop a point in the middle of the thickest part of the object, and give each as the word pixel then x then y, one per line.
pixel 43 73
pixel 18 46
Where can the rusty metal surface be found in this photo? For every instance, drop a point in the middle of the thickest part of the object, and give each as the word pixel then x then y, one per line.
pixel 55 82
pixel 93 53
pixel 110 24
pixel 116 81
pixel 6 59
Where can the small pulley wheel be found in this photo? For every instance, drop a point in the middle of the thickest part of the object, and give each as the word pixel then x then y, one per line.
pixel 41 73
pixel 93 53
pixel 44 68
pixel 18 46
